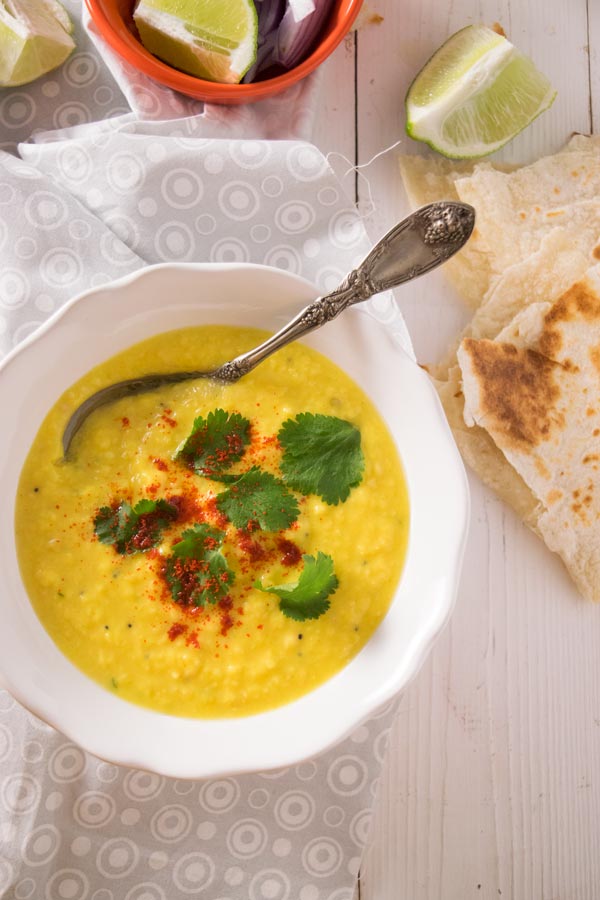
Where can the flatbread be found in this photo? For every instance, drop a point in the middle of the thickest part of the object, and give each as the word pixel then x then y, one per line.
pixel 482 455
pixel 542 276
pixel 522 395
pixel 535 391
pixel 516 210
pixel 583 142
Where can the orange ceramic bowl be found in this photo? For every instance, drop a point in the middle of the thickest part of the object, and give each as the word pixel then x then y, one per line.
pixel 114 21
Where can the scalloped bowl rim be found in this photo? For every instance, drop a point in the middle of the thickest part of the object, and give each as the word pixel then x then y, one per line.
pixel 118 315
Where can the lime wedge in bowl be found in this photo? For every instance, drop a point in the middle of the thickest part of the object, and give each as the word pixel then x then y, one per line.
pixel 214 39
pixel 35 37
pixel 475 94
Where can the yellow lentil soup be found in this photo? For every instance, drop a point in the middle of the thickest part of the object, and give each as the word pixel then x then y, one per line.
pixel 206 599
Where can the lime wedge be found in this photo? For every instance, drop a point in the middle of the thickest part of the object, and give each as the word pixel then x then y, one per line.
pixel 475 94
pixel 213 39
pixel 35 37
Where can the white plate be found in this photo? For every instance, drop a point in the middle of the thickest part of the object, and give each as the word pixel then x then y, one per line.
pixel 104 321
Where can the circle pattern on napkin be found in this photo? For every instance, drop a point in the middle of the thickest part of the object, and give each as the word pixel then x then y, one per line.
pixel 126 834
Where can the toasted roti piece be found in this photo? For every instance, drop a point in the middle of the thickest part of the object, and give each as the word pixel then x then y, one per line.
pixel 535 391
pixel 482 455
pixel 586 142
pixel 542 276
pixel 516 210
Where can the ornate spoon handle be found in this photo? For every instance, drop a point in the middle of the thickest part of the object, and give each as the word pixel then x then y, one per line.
pixel 416 245
pixel 419 243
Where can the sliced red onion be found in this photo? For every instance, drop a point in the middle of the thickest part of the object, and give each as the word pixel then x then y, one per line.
pixel 287 32
pixel 265 56
pixel 296 37
pixel 270 14
pixel 300 9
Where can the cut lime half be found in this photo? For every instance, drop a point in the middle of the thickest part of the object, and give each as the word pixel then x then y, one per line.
pixel 475 94
pixel 213 39
pixel 35 37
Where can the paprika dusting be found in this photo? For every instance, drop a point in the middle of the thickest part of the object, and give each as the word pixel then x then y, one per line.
pixel 145 533
pixel 252 548
pixel 226 605
pixel 176 630
pixel 290 552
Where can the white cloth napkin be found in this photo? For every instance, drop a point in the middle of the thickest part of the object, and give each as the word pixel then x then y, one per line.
pixel 96 84
pixel 83 204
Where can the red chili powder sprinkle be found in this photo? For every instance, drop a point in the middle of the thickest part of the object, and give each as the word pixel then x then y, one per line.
pixel 251 548
pixel 125 422
pixel 159 463
pixel 215 514
pixel 192 640
pixel 188 508
pixel 166 417
pixel 291 553
pixel 186 572
pixel 221 457
pixel 226 605
pixel 175 630
pixel 145 534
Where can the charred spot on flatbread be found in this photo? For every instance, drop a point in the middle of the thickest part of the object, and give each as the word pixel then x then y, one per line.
pixel 535 391
pixel 518 391
pixel 579 301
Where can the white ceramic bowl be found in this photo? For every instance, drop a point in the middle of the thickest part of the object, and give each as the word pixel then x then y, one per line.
pixel 104 321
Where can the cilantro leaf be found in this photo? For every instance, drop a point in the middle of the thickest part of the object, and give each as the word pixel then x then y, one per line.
pixel 215 442
pixel 307 597
pixel 321 455
pixel 197 572
pixel 195 541
pixel 258 497
pixel 111 523
pixel 133 529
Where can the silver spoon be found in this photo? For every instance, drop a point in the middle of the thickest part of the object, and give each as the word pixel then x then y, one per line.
pixel 416 245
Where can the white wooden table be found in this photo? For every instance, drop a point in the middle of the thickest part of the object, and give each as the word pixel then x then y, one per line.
pixel 492 784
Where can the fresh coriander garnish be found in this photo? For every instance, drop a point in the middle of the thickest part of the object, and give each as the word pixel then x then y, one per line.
pixel 258 498
pixel 197 572
pixel 133 529
pixel 307 597
pixel 321 455
pixel 215 442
